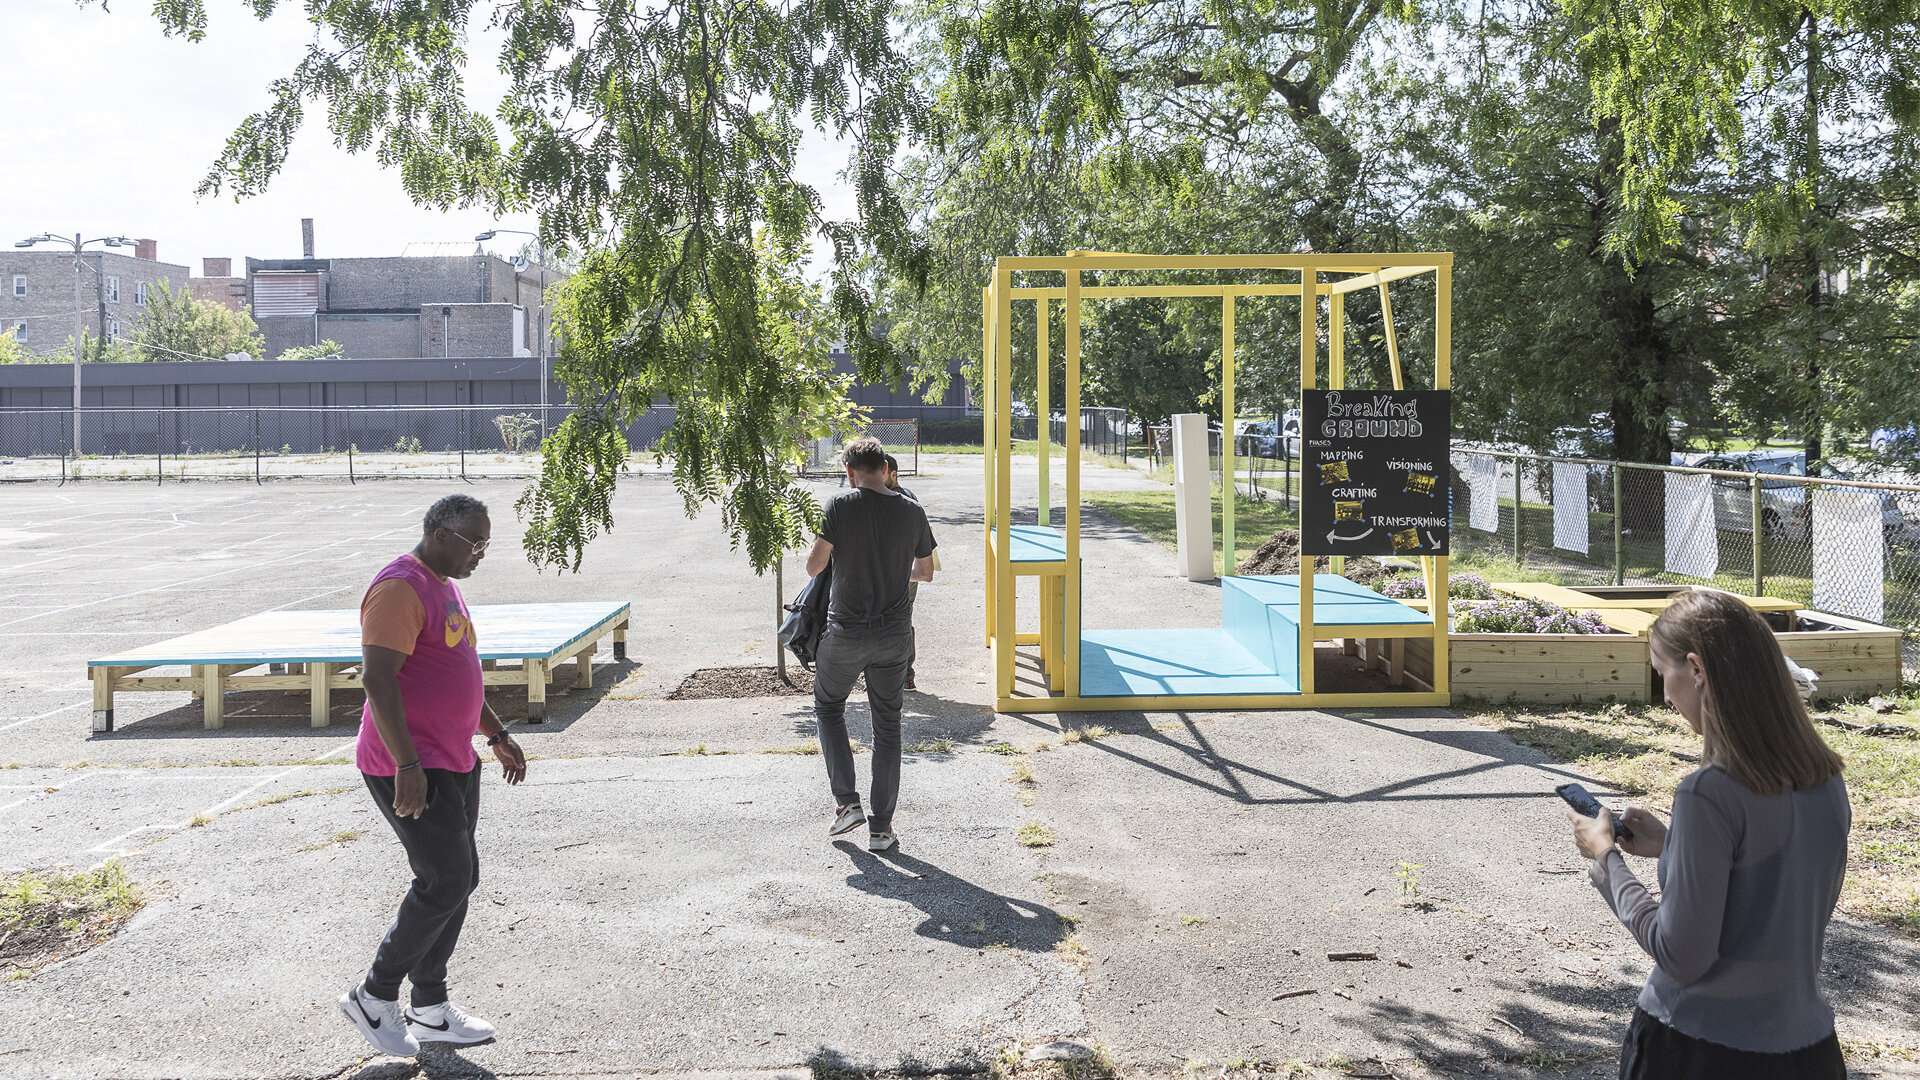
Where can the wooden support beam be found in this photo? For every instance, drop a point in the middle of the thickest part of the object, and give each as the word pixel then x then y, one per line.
pixel 320 695
pixel 583 667
pixel 620 641
pixel 536 678
pixel 213 686
pixel 102 679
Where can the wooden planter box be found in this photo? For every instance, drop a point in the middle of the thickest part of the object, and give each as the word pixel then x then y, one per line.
pixel 1547 669
pixel 1853 658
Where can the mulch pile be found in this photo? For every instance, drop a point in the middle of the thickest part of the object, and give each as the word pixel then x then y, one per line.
pixel 1281 555
pixel 742 682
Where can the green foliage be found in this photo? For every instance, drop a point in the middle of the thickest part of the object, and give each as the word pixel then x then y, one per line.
pixel 314 352
pixel 656 144
pixel 176 326
pixel 516 430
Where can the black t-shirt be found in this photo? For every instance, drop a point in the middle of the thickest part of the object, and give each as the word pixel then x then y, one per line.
pixel 875 539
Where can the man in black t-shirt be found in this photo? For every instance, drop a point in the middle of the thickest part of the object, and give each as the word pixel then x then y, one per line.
pixel 879 543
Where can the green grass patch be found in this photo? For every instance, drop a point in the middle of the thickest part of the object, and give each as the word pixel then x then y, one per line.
pixel 1645 751
pixel 48 917
pixel 1151 513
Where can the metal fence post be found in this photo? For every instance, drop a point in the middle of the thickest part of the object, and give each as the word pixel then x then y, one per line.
pixel 159 439
pixel 1516 508
pixel 1619 545
pixel 348 418
pixel 256 446
pixel 1754 523
pixel 466 436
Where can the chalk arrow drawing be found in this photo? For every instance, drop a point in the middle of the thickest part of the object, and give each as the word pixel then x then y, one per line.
pixel 1431 539
pixel 1335 538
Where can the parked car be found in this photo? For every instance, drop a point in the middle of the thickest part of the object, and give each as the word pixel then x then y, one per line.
pixel 1786 511
pixel 1021 410
pixel 1271 438
pixel 1904 441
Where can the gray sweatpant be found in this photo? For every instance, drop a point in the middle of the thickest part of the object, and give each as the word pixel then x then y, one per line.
pixel 882 652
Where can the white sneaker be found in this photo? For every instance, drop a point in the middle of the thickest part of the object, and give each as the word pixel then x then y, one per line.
pixel 383 1023
pixel 447 1023
pixel 845 818
pixel 881 841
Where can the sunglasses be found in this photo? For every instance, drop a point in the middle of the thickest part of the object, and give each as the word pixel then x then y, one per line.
pixel 478 546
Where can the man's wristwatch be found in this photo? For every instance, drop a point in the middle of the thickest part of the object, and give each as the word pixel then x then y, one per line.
pixel 494 739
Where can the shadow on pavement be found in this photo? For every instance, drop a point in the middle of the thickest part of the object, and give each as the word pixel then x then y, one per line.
pixel 958 911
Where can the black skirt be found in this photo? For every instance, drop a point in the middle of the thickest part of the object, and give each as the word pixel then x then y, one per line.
pixel 1654 1051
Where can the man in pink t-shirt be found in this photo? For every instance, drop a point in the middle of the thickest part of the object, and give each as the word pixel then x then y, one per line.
pixel 425 703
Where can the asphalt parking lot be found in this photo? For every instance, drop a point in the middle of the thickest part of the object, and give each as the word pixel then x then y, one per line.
pixel 660 895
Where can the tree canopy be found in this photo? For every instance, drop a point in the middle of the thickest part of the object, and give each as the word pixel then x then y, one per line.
pixel 1662 212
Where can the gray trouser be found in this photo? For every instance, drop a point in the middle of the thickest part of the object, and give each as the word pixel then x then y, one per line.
pixel 446 869
pixel 882 652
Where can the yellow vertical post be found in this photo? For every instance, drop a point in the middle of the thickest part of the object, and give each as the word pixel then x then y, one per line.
pixel 1337 373
pixel 1003 639
pixel 1070 592
pixel 1309 331
pixel 1442 380
pixel 1229 463
pixel 990 445
pixel 1045 412
pixel 1393 340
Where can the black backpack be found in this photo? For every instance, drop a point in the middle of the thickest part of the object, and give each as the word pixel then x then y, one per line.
pixel 807 618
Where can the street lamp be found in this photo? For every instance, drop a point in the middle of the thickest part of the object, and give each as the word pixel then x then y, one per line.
pixel 540 249
pixel 78 323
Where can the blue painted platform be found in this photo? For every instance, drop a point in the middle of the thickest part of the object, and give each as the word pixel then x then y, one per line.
pixel 1170 663
pixel 1037 543
pixel 1256 650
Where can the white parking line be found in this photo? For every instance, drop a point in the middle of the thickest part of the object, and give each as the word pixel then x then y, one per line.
pixel 43 716
pixel 111 848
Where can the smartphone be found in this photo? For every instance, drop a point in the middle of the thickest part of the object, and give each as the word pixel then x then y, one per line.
pixel 1583 801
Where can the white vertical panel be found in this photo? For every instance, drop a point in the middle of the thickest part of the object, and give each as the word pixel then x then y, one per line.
pixel 1849 556
pixel 1693 541
pixel 1570 507
pixel 1483 493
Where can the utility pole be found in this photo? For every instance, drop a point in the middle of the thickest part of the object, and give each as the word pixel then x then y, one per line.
pixel 79 306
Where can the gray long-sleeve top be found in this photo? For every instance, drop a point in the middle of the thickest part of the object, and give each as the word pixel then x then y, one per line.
pixel 1747 885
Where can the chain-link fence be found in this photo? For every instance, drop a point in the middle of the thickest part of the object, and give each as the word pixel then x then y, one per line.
pixel 1851 547
pixel 349 442
pixel 901 438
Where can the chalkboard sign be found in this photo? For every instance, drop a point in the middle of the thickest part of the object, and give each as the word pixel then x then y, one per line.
pixel 1374 472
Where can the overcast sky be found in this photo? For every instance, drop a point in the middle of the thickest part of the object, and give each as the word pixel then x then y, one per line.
pixel 110 126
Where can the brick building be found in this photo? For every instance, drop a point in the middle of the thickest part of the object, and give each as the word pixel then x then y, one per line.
pixel 37 291
pixel 217 285
pixel 434 301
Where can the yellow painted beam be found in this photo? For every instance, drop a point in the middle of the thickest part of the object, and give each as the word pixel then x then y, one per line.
pixel 1071 586
pixel 1240 702
pixel 1309 356
pixel 1229 465
pixel 1337 375
pixel 1321 260
pixel 1381 277
pixel 1393 340
pixel 1111 291
pixel 1003 643
pixel 991 443
pixel 1442 380
pixel 1044 412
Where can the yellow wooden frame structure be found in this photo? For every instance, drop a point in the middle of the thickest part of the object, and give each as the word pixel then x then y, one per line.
pixel 1061 580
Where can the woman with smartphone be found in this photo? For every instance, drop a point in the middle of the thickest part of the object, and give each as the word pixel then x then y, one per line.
pixel 1750 865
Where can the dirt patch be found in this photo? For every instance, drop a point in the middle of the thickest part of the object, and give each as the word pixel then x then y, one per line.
pixel 49 917
pixel 743 682
pixel 1281 555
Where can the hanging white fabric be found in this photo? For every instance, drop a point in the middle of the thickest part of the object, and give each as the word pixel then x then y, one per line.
pixel 1693 541
pixel 1849 556
pixel 1570 507
pixel 1483 493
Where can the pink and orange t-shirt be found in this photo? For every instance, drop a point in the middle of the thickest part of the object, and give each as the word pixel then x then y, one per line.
pixel 411 610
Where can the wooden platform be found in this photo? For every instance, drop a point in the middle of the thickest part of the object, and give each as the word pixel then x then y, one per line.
pixel 319 651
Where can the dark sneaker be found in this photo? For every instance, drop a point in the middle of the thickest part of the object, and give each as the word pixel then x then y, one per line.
pixel 846 818
pixel 382 1023
pixel 881 841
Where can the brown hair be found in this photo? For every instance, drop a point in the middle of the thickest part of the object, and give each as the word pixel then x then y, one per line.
pixel 1750 715
pixel 865 455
